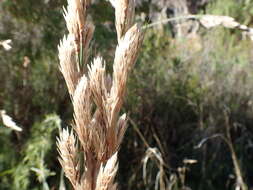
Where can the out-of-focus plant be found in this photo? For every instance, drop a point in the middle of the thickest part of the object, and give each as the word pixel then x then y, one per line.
pixel 187 89
pixel 37 153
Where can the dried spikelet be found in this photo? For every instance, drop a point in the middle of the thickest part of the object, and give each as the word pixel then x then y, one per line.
pixel 121 128
pixel 75 16
pixel 67 148
pixel 125 58
pixel 86 36
pixel 68 67
pixel 76 19
pixel 107 174
pixel 100 145
pixel 210 21
pixel 124 13
pixel 97 83
pixel 82 109
pixel 114 136
pixel 99 92
pixel 90 133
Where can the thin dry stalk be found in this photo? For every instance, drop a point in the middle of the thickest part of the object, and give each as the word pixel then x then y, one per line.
pixel 240 184
pixel 210 21
pixel 98 132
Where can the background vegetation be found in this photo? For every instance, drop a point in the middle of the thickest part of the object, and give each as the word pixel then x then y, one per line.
pixel 190 96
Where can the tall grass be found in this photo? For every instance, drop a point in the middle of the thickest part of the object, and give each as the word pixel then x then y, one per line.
pixel 89 155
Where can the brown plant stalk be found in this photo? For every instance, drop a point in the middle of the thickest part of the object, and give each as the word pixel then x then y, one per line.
pixel 89 154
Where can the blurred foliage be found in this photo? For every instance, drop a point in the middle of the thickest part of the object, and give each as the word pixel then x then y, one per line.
pixel 28 163
pixel 178 94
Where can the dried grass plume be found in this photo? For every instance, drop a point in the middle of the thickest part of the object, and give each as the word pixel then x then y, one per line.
pixel 88 154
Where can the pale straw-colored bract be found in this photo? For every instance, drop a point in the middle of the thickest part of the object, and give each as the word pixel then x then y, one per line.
pixel 6 44
pixel 89 154
pixel 68 149
pixel 8 121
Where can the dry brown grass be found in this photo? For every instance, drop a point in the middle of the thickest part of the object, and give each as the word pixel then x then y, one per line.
pixel 98 134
